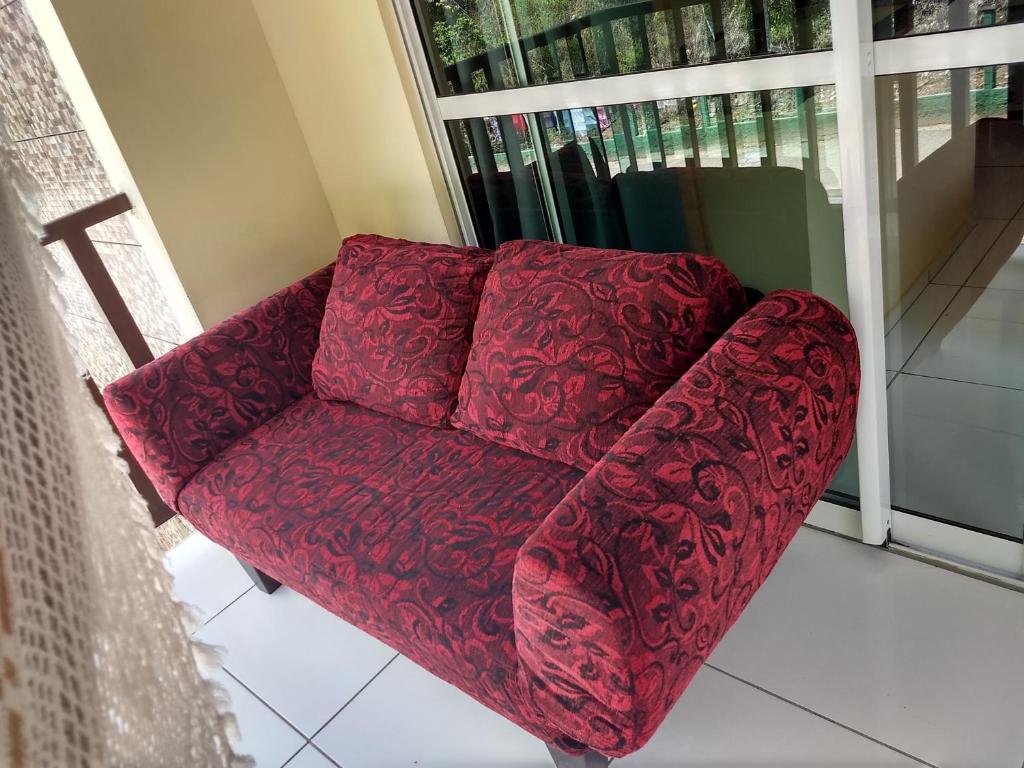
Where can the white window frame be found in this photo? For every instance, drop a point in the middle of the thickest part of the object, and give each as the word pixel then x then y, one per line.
pixel 852 65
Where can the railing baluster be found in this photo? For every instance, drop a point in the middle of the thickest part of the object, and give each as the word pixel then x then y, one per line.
pixel 679 49
pixel 579 65
pixel 730 131
pixel 691 121
pixel 685 105
pixel 626 120
pixel 721 53
pixel 760 41
pixel 551 51
pixel 883 12
pixel 807 113
pixel 653 117
pixel 771 156
pixel 645 44
pixel 607 46
pixel 487 167
pixel 718 30
pixel 809 131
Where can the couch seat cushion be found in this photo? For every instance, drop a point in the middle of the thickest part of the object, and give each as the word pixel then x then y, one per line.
pixel 406 531
pixel 398 324
pixel 573 344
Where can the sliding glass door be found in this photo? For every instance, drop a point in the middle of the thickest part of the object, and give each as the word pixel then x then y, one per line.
pixel 764 132
pixel 951 179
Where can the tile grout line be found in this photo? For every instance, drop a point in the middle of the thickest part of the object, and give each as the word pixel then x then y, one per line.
pixel 289 723
pixel 353 697
pixel 978 220
pixel 295 754
pixel 265 703
pixel 945 261
pixel 960 381
pixel 975 223
pixel 49 135
pixel 982 288
pixel 823 717
pixel 960 287
pixel 1002 231
pixel 931 327
pixel 105 324
pixel 114 242
pixel 233 601
pixel 313 746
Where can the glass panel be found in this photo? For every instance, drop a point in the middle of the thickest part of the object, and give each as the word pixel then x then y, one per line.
pixel 501 179
pixel 752 178
pixel 899 18
pixel 466 45
pixel 572 39
pixel 951 147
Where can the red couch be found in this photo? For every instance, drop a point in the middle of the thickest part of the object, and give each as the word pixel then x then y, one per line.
pixel 578 603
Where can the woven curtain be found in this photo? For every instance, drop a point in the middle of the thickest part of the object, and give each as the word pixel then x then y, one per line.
pixel 96 665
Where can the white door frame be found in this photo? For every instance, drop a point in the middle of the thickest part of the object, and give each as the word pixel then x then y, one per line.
pixel 852 65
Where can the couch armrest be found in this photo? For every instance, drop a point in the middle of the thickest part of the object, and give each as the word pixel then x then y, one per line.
pixel 629 583
pixel 178 412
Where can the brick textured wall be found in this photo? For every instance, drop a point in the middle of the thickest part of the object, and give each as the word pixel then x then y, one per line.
pixel 50 140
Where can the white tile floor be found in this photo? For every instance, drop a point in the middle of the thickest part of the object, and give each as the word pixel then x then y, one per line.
pixel 849 656
pixel 955 361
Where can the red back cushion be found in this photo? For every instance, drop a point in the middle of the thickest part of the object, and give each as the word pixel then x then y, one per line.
pixel 398 325
pixel 574 344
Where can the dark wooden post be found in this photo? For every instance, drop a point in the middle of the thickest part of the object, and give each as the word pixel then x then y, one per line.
pixel 263 582
pixel 586 760
pixel 71 229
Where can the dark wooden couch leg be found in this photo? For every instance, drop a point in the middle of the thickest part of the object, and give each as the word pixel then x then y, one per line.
pixel 587 760
pixel 263 582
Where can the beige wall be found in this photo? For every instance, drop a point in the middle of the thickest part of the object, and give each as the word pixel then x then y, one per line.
pixel 193 98
pixel 347 75
pixel 933 201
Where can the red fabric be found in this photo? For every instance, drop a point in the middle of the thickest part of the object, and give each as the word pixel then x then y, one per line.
pixel 406 531
pixel 628 585
pixel 574 344
pixel 184 408
pixel 398 324
pixel 578 606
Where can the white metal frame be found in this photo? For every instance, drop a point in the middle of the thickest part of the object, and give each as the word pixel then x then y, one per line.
pixel 659 85
pixel 950 50
pixel 852 66
pixel 435 122
pixel 858 146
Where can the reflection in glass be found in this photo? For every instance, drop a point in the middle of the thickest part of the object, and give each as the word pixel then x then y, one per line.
pixel 556 40
pixel 498 167
pixel 899 18
pixel 951 155
pixel 752 178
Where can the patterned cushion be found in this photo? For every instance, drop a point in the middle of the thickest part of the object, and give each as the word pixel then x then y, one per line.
pixel 398 324
pixel 406 531
pixel 574 344
pixel 185 407
pixel 625 588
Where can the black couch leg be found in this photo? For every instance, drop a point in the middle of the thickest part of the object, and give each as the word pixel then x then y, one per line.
pixel 263 582
pixel 587 760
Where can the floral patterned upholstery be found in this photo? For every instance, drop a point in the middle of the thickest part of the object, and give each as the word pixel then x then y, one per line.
pixel 626 587
pixel 578 605
pixel 398 324
pixel 406 531
pixel 181 410
pixel 574 344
